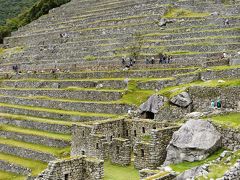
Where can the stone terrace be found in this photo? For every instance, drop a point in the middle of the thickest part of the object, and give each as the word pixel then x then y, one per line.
pixel 38 108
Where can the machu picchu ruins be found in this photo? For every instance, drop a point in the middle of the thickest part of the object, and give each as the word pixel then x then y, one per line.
pixel 121 90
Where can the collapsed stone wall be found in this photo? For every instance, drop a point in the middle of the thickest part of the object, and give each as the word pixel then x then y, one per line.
pixel 77 168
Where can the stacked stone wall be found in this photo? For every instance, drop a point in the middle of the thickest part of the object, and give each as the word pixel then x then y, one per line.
pixel 78 168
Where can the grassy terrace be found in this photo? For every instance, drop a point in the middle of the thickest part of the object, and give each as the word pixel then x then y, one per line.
pixel 58 152
pixel 10 176
pixel 230 120
pixel 47 110
pixel 36 166
pixel 116 172
pixel 35 119
pixel 26 131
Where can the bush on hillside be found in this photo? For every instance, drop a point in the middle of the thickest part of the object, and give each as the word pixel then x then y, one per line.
pixel 38 9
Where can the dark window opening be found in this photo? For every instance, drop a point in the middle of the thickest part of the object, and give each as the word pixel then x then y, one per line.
pixel 83 134
pixel 148 115
pixel 142 152
pixel 135 133
pixel 111 138
pixel 119 135
pixel 66 176
pixel 97 147
pixel 154 127
pixel 117 150
pixel 83 152
pixel 143 129
pixel 126 133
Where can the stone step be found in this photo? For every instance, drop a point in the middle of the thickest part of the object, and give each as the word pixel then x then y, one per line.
pixel 28 150
pixel 23 166
pixel 67 93
pixel 43 124
pixel 35 136
pixel 61 104
pixel 57 114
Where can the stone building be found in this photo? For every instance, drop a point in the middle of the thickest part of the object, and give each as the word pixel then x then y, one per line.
pixel 116 140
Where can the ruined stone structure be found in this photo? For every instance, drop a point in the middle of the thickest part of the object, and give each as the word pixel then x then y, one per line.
pixel 117 139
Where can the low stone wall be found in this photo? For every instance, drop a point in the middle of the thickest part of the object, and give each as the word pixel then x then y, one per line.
pixel 51 115
pixel 73 106
pixel 67 94
pixel 230 136
pixel 221 74
pixel 64 129
pixel 202 97
pixel 14 168
pixel 233 173
pixel 77 168
pixel 26 153
pixel 34 138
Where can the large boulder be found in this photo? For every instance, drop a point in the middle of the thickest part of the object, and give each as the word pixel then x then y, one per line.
pixel 153 104
pixel 182 100
pixel 195 140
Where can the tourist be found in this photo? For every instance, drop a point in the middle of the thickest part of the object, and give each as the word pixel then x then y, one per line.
pixel 169 59
pixel 146 61
pixel 160 58
pixel 164 58
pixel 15 68
pixel 212 104
pixel 219 104
pixel 226 22
pixel 123 61
pixel 152 60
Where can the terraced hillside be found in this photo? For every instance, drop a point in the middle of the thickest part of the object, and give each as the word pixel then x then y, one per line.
pixel 38 106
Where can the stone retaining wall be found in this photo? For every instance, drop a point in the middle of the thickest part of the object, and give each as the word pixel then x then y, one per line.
pixel 64 129
pixel 14 168
pixel 221 74
pixel 26 153
pixel 34 138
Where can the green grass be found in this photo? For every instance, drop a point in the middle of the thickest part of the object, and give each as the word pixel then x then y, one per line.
pixel 116 172
pixel 218 170
pixel 231 120
pixel 188 165
pixel 35 132
pixel 35 119
pixel 10 176
pixel 36 166
pixel 59 152
pixel 181 13
pixel 135 96
pixel 219 68
pixel 76 113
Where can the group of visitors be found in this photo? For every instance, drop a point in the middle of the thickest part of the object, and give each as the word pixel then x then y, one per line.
pixel 15 68
pixel 216 104
pixel 163 59
pixel 128 62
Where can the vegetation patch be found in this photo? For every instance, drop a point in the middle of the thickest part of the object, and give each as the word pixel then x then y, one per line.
pixel 231 120
pixel 181 13
pixel 11 176
pixel 116 172
pixel 188 165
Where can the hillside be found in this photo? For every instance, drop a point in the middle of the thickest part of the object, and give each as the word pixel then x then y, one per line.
pixel 11 8
pixel 101 89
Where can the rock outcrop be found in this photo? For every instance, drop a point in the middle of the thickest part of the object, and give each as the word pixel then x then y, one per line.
pixel 153 104
pixel 192 173
pixel 182 100
pixel 195 140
